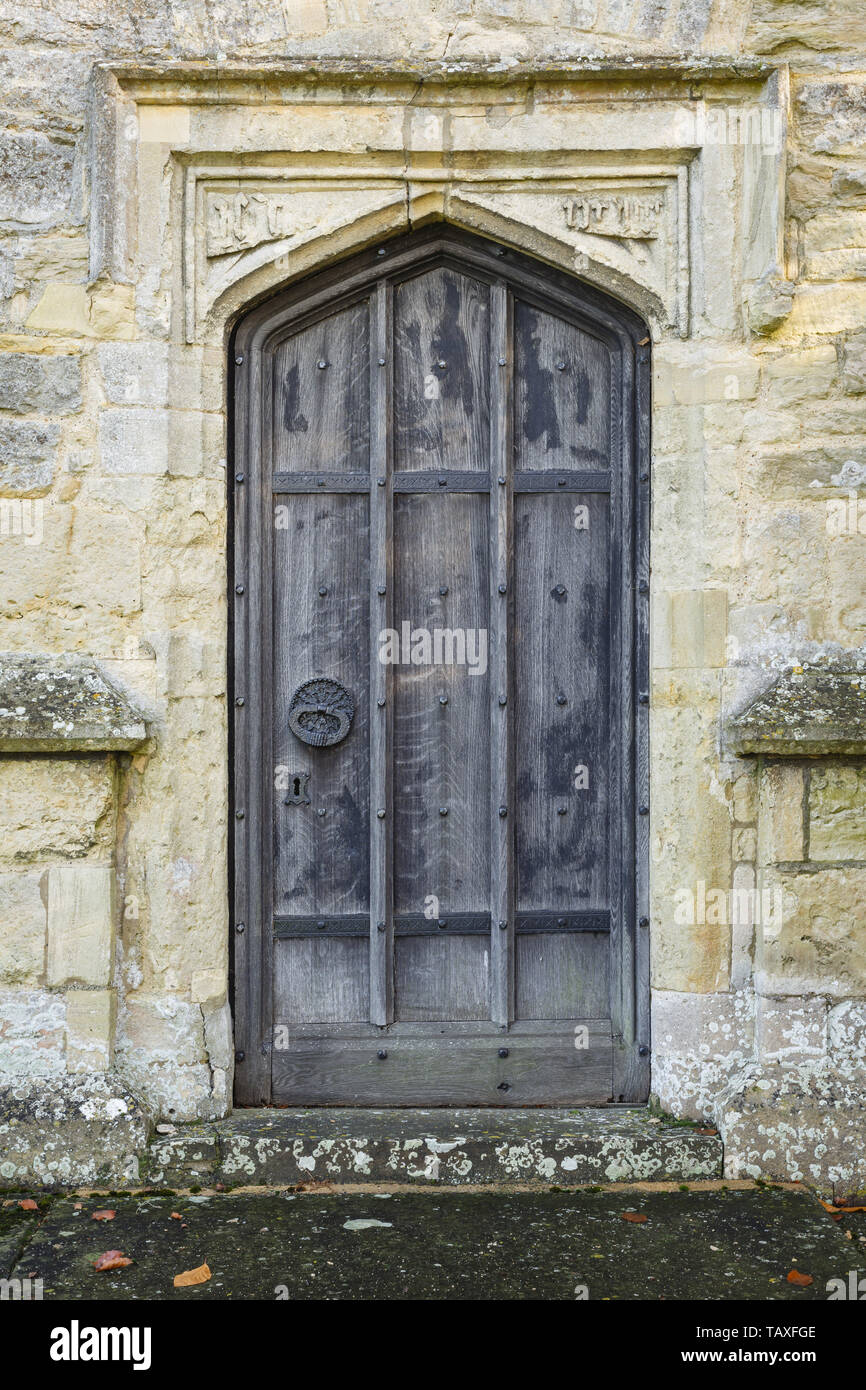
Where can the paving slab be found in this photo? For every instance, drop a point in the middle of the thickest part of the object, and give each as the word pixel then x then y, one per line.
pixel 566 1147
pixel 455 1245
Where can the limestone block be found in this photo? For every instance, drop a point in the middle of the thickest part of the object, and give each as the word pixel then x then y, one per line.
pixel 743 915
pixel 36 172
pixel 854 360
pixel 790 1030
pixel 32 1028
pixel 107 311
pixel 30 382
pixel 816 944
pixel 144 441
pixel 208 988
pixel 160 1028
pixel 86 1130
pixel 56 808
pixel 780 1121
pixel 744 798
pixel 791 376
pixel 699 1042
pixel 825 309
pixel 22 928
pixel 831 115
pixel 218 1036
pixel 80 924
pixel 837 812
pixel 27 452
pixel 699 376
pixel 90 1015
pixel 846 1028
pixel 780 814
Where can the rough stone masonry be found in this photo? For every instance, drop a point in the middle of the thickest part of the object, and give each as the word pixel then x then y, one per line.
pixel 164 164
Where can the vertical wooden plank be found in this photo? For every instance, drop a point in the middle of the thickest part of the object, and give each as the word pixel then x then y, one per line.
pixel 381 715
pixel 500 685
pixel 562 396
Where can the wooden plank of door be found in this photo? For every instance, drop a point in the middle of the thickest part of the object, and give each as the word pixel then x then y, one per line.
pixel 381 714
pixel 500 686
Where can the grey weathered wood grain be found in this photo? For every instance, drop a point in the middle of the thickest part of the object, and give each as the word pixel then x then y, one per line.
pixel 321 419
pixel 562 398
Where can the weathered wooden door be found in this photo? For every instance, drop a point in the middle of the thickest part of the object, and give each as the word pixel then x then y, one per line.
pixel 439 597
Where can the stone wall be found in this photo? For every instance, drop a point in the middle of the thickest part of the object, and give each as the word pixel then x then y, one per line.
pixel 113 494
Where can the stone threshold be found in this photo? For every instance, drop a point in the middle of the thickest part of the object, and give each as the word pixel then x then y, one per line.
pixel 560 1148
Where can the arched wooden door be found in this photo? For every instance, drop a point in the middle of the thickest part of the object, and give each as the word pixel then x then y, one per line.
pixel 440 506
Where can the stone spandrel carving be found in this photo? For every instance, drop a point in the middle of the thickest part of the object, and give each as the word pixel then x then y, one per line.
pixel 628 215
pixel 240 220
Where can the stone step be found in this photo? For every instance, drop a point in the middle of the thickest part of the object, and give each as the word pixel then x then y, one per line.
pixel 280 1148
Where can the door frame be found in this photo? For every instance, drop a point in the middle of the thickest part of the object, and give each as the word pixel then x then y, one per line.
pixel 250 732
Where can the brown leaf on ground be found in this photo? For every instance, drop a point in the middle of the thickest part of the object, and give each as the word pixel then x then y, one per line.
pixel 76 1206
pixel 105 1214
pixel 801 1280
pixel 843 1206
pixel 192 1276
pixel 111 1259
pixel 636 1217
pixel 706 1130
pixel 28 1204
pixel 176 1216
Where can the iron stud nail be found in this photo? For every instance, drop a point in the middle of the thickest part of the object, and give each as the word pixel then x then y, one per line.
pixel 503 1052
pixel 239 477
pixel 503 812
pixel 443 589
pixel 644 477
pixel 239 1056
pixel 443 810
pixel 561 810
pixel 643 587
pixel 321 811
pixel 501 480
pixel 561 700
pixel 443 699
pixel 239 588
pixel 560 590
pixel 381 361
pixel 503 1086
pixel 381 251
pixel 381 1054
pixel 240 701
pixel 241 928
pixel 441 362
pixel 321 364
pixel 643 921
pixel 503 699
pixel 239 815
pixel 502 361
pixel 442 923
pixel 381 700
pixel 643 1050
pixel 320 926
pixel 380 589
pixel 560 482
pixel 561 922
pixel 443 480
pixel 643 698
pixel 320 482
pixel 560 366
pixel 239 359
pixel 644 810
pixel 503 925
pixel 322 591
pixel 503 588
pixel 381 482
pixel 380 926
pixel 380 813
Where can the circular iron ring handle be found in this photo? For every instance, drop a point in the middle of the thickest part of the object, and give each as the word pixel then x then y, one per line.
pixel 321 712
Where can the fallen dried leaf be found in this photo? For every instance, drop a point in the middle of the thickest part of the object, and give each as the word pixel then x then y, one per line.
pixel 76 1206
pixel 843 1206
pixel 111 1259
pixel 176 1216
pixel 28 1204
pixel 634 1216
pixel 104 1215
pixel 707 1130
pixel 192 1276
pixel 801 1280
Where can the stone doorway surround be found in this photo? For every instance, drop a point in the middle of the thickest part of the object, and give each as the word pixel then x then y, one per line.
pixel 212 186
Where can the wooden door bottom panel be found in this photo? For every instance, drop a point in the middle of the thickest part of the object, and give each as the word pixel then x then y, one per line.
pixel 431 1068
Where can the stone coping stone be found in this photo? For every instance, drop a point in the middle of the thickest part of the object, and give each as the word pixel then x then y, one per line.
pixel 276 1148
pixel 809 713
pixel 63 704
pixel 70 1131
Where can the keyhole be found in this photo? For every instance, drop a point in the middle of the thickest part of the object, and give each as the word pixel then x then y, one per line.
pixel 297 787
